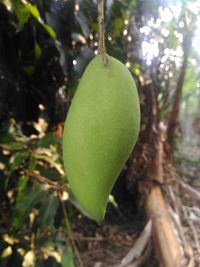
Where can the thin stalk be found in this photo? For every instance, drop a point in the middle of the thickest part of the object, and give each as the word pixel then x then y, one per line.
pixel 101 47
pixel 70 233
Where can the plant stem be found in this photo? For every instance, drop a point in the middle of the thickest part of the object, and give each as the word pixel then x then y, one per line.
pixel 101 47
pixel 69 232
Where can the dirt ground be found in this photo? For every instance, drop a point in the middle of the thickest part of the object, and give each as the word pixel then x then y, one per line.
pixel 107 244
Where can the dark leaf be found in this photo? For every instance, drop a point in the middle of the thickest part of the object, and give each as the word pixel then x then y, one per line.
pixel 47 212
pixel 26 200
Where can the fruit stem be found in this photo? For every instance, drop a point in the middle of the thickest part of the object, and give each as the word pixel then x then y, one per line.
pixel 101 47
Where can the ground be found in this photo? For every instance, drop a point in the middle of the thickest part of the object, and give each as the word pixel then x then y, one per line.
pixel 107 244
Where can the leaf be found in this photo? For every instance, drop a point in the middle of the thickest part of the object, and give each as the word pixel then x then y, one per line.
pixel 67 258
pixel 83 22
pixel 17 159
pixel 7 141
pixel 29 69
pixel 29 259
pixel 52 163
pixel 76 203
pixel 22 183
pixel 6 138
pixel 136 69
pixel 118 24
pixel 47 140
pixel 113 201
pixel 26 200
pixel 50 31
pixel 51 173
pixel 10 239
pixel 37 51
pixel 174 42
pixel 6 252
pixel 36 14
pixel 32 164
pixel 48 212
pixel 34 11
pixel 133 3
pixel 21 12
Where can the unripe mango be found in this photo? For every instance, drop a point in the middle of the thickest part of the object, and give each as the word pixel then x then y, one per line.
pixel 100 132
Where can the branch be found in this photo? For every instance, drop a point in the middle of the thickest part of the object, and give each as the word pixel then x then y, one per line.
pixel 45 181
pixel 174 115
pixel 188 189
pixel 101 47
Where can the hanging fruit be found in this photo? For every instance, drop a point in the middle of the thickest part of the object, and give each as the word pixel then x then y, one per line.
pixel 100 132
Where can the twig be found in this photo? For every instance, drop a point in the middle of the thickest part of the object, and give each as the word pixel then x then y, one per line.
pixel 195 212
pixel 143 258
pixel 47 182
pixel 101 47
pixel 190 223
pixel 69 232
pixel 139 246
pixel 190 190
pixel 176 217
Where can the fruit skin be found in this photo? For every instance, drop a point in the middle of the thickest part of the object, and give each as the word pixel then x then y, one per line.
pixel 100 132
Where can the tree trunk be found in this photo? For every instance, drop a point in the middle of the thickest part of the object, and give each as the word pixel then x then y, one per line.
pixel 163 236
pixel 174 115
pixel 198 100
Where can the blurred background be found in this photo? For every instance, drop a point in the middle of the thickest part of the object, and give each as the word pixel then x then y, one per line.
pixel 45 45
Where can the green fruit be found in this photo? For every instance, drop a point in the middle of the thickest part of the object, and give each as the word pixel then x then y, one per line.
pixel 100 132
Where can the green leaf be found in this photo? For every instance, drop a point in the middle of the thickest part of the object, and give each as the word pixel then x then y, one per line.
pixel 133 3
pixel 29 69
pixel 47 140
pixel 37 51
pixel 48 212
pixel 174 42
pixel 118 24
pixel 17 159
pixel 34 11
pixel 26 200
pixel 36 14
pixel 32 164
pixel 22 183
pixel 50 31
pixel 7 141
pixel 21 12
pixel 51 173
pixel 67 258
pixel 136 69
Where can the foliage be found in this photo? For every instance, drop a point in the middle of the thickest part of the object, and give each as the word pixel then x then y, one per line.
pixel 31 212
pixel 30 71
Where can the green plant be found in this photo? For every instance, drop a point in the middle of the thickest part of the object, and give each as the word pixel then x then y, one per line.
pixel 34 196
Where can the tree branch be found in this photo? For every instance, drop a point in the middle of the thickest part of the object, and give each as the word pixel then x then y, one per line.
pixel 101 47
